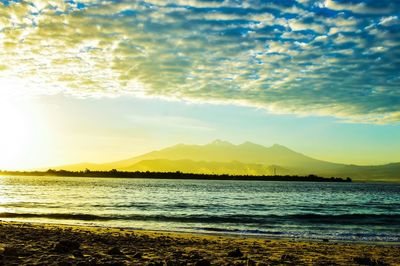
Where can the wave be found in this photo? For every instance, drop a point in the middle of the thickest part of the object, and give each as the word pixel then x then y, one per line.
pixel 305 234
pixel 235 231
pixel 348 219
pixel 311 226
pixel 264 220
pixel 58 216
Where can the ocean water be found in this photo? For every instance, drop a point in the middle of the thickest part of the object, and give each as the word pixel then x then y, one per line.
pixel 342 211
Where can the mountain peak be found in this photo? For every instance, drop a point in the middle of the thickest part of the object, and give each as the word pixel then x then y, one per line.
pixel 219 142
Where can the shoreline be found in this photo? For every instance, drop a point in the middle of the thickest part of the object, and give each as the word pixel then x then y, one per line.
pixel 227 234
pixel 177 176
pixel 58 244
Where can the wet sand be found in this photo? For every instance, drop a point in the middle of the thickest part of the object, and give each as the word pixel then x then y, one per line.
pixel 49 244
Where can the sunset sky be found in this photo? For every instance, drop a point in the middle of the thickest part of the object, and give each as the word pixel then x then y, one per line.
pixel 105 80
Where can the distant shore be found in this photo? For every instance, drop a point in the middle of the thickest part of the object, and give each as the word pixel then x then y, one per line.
pixel 51 244
pixel 175 175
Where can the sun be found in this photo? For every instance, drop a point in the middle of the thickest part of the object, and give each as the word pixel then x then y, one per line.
pixel 16 129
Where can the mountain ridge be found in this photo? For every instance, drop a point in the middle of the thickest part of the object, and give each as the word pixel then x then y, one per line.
pixel 247 158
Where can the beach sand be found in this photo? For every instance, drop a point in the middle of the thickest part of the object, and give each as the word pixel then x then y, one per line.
pixel 50 244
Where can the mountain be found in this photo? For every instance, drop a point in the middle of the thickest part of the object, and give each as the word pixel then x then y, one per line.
pixel 222 151
pixel 222 157
pixel 384 173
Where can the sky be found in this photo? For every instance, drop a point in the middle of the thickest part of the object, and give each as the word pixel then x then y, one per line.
pixel 105 80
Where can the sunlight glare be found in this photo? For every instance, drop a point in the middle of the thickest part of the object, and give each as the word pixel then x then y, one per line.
pixel 17 127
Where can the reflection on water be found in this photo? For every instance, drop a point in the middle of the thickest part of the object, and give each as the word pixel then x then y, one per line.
pixel 295 209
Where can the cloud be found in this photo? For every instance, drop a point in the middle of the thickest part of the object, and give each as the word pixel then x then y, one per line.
pixel 334 58
pixel 389 21
pixel 363 7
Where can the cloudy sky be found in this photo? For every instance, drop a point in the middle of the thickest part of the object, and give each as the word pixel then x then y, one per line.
pixel 103 80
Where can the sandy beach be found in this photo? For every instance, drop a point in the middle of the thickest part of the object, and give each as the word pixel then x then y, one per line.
pixel 51 244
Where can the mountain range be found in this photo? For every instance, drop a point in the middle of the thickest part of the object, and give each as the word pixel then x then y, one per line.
pixel 222 157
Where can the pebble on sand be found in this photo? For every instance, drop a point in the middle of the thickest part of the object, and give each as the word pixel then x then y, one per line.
pixel 114 251
pixel 65 246
pixel 236 253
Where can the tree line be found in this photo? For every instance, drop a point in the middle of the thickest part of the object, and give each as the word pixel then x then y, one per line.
pixel 175 175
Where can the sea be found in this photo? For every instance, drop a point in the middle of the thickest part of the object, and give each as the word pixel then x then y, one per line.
pixel 301 210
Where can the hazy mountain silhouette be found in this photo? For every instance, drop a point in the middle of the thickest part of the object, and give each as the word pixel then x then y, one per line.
pixel 221 157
